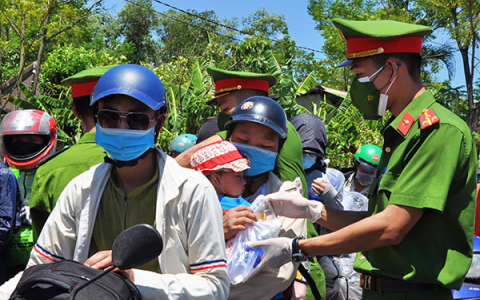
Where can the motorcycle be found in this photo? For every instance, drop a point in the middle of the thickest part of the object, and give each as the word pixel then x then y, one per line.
pixel 471 287
pixel 67 279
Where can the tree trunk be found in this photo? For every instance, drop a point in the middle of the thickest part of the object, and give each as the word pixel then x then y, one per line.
pixel 43 44
pixel 1 74
pixel 406 12
pixel 22 54
pixel 473 111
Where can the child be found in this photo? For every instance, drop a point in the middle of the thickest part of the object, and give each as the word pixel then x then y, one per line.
pixel 223 165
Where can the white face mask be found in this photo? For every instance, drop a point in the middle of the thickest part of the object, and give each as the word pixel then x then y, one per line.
pixel 382 103
pixel 368 78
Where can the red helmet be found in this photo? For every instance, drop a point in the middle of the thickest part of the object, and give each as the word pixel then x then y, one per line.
pixel 29 136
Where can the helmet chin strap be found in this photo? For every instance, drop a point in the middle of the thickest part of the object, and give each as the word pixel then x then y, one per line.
pixel 129 163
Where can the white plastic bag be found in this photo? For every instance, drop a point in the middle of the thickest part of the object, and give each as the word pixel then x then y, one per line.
pixel 342 281
pixel 241 260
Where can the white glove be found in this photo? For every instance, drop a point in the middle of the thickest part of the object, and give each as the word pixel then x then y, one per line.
pixel 292 186
pixel 278 251
pixel 325 189
pixel 292 204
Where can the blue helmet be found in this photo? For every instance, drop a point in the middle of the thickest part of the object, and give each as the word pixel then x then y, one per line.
pixel 261 110
pixel 134 81
pixel 182 142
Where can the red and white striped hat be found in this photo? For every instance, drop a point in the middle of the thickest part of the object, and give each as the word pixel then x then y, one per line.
pixel 219 156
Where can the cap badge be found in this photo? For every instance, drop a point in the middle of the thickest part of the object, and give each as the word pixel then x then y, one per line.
pixel 247 105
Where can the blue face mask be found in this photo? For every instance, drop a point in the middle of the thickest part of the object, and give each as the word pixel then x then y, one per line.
pixel 228 203
pixel 124 144
pixel 261 160
pixel 308 161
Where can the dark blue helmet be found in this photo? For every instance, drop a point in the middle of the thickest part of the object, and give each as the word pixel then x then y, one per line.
pixel 261 110
pixel 131 80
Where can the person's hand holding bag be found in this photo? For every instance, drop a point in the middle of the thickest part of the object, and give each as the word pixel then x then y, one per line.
pixel 291 204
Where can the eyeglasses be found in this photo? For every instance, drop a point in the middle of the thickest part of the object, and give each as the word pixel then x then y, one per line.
pixel 135 120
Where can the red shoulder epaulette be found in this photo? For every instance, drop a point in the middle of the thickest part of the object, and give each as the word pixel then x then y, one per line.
pixel 428 118
pixel 406 123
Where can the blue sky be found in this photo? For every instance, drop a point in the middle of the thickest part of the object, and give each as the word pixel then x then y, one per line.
pixel 300 24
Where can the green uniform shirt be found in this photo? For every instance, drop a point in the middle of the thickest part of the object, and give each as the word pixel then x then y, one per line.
pixel 289 164
pixel 118 212
pixel 435 169
pixel 52 177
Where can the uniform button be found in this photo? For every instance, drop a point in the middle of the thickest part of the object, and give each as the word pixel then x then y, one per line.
pixel 361 257
pixel 388 149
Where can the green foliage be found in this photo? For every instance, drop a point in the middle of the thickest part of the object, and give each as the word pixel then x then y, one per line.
pixel 59 109
pixel 54 98
pixel 347 131
pixel 137 21
pixel 188 36
pixel 263 23
pixel 187 108
pixel 178 46
pixel 69 60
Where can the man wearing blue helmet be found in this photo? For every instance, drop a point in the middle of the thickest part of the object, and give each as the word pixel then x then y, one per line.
pixel 139 184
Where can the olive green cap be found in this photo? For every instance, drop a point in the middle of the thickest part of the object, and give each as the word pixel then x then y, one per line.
pixel 383 29
pixel 367 38
pixel 83 82
pixel 92 74
pixel 226 81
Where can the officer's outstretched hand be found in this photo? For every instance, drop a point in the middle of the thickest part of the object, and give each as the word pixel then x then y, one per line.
pixel 278 251
pixel 292 204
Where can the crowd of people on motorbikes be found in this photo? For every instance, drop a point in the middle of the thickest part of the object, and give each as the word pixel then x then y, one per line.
pixel 398 224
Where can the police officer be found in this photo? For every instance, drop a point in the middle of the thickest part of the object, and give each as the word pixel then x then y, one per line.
pixel 55 173
pixel 415 241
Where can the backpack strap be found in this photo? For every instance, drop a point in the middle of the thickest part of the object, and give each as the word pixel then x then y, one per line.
pixel 48 277
pixel 310 282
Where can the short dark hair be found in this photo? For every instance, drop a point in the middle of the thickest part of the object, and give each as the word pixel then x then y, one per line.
pixel 82 106
pixel 247 93
pixel 413 61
